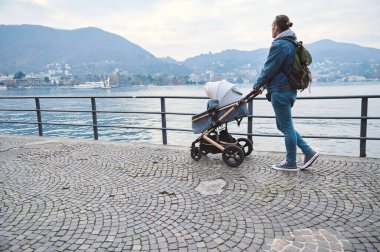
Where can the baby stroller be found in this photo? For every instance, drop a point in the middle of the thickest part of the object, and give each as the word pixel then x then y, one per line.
pixel 225 105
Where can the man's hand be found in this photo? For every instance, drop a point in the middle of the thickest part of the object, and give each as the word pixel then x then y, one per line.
pixel 259 90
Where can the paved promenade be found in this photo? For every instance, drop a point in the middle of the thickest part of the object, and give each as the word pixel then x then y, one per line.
pixel 84 195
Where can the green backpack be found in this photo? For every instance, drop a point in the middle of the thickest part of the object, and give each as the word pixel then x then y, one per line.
pixel 299 75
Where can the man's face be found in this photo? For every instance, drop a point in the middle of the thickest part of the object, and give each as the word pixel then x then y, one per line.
pixel 274 30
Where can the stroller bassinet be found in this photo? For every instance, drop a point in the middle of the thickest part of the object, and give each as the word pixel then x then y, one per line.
pixel 204 121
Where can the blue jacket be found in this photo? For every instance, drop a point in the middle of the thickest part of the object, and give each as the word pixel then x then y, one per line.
pixel 279 62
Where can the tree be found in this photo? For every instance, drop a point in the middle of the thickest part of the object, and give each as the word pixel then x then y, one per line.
pixel 19 75
pixel 46 79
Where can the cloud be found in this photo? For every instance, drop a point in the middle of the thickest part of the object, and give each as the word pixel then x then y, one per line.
pixel 186 28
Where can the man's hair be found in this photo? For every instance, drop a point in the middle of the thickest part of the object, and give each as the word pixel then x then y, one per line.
pixel 283 22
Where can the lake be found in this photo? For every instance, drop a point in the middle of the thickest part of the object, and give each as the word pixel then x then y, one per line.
pixel 309 127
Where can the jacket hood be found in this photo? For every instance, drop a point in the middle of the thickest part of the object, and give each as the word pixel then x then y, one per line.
pixel 287 33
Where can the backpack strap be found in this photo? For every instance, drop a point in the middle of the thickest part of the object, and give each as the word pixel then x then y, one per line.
pixel 295 43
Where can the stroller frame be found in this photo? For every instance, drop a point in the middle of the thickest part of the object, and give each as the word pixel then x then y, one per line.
pixel 232 153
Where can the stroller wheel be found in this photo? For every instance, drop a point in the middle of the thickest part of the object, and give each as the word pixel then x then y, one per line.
pixel 196 153
pixel 204 149
pixel 245 145
pixel 233 155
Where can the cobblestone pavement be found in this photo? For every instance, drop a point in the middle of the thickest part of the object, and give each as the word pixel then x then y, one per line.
pixel 83 195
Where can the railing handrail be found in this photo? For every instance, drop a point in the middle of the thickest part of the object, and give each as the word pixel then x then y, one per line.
pixel 187 114
pixel 180 97
pixel 363 118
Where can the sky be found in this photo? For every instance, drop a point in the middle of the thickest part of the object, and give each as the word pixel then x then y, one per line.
pixel 186 28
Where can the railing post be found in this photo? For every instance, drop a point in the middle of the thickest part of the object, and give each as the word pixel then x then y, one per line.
pixel 163 121
pixel 94 118
pixel 363 127
pixel 39 117
pixel 249 127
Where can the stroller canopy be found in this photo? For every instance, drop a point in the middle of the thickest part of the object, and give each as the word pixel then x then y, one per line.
pixel 223 91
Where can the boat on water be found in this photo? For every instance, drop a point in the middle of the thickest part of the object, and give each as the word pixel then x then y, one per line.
pixel 3 88
pixel 94 84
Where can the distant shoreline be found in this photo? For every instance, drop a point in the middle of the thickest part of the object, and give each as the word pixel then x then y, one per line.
pixel 332 83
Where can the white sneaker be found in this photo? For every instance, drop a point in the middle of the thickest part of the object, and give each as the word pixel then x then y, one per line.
pixel 308 159
pixel 285 166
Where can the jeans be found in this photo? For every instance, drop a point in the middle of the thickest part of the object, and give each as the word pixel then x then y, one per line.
pixel 282 103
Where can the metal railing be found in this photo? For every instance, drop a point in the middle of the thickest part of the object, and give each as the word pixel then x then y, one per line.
pixel 363 118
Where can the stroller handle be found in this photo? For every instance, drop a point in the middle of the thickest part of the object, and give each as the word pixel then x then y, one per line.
pixel 249 97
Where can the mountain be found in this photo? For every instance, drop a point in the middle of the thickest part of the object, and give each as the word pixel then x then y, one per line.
pixel 30 48
pixel 331 61
pixel 226 61
pixel 322 50
pixel 326 49
pixel 170 60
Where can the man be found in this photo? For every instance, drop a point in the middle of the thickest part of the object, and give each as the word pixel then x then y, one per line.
pixel 273 77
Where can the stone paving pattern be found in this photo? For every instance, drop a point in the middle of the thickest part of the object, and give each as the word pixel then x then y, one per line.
pixel 83 195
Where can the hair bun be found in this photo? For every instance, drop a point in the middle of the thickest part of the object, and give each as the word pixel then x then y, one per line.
pixel 283 22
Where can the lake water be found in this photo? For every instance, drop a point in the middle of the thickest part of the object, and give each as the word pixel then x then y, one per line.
pixel 309 127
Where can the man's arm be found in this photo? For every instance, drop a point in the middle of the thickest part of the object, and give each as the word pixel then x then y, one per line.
pixel 272 66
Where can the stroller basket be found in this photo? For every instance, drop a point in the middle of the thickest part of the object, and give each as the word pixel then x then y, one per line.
pixel 204 121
